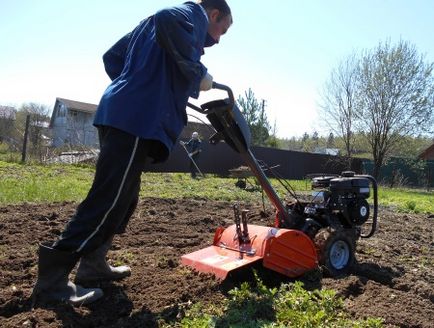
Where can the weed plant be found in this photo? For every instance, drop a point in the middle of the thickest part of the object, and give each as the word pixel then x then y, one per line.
pixel 255 305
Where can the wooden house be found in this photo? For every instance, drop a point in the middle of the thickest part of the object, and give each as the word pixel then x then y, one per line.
pixel 428 154
pixel 72 124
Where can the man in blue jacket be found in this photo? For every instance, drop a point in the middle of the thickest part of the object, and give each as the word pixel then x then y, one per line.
pixel 155 69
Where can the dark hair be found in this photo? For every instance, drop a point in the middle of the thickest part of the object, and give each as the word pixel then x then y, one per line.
pixel 220 5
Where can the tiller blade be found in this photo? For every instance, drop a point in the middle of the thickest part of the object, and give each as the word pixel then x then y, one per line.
pixel 286 251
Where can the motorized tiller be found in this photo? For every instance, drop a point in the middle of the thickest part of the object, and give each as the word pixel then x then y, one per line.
pixel 319 231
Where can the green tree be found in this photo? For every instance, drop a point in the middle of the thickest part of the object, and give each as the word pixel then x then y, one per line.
pixel 7 124
pixel 254 113
pixel 273 141
pixel 305 142
pixel 411 147
pixel 315 139
pixel 292 144
pixel 395 95
pixel 331 140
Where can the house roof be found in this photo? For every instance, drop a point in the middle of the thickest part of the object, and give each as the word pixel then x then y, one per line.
pixel 327 151
pixel 74 105
pixel 425 154
pixel 78 105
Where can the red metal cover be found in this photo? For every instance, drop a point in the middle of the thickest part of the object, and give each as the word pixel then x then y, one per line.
pixel 217 260
pixel 289 252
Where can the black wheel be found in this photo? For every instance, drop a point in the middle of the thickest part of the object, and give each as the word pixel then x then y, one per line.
pixel 336 250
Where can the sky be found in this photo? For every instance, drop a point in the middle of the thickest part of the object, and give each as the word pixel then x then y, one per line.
pixel 284 50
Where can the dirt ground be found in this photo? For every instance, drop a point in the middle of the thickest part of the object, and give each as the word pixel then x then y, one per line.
pixel 393 278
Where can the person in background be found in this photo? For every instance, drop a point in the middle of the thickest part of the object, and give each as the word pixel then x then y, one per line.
pixel 194 150
pixel 155 69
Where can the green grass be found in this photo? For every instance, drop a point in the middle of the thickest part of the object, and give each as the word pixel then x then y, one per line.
pixel 8 156
pixel 53 183
pixel 180 185
pixel 407 200
pixel 40 183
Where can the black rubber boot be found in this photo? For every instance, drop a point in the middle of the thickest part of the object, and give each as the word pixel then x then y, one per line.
pixel 94 266
pixel 53 283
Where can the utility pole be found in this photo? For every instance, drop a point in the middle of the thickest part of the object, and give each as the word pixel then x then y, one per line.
pixel 26 135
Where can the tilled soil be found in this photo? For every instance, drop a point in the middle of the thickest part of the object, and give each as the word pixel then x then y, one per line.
pixel 392 279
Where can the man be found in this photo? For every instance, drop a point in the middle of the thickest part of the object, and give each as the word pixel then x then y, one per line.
pixel 155 69
pixel 193 148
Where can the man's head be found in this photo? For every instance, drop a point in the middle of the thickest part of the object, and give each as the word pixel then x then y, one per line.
pixel 195 135
pixel 219 15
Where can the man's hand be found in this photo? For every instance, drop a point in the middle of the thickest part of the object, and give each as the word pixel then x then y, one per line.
pixel 182 143
pixel 206 83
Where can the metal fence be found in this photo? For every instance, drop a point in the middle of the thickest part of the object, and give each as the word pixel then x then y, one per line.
pixel 219 159
pixel 399 172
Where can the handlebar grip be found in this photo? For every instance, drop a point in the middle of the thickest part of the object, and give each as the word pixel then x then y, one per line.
pixel 223 87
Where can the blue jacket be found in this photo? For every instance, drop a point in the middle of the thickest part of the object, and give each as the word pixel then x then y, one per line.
pixel 161 70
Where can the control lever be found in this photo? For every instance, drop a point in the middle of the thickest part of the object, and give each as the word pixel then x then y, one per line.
pixel 242 232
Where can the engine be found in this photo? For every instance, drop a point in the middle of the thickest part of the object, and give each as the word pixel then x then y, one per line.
pixel 342 198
